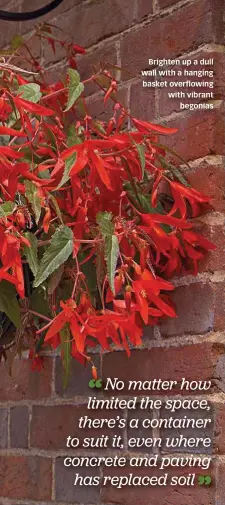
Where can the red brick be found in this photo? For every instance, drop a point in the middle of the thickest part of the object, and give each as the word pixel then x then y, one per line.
pixel 139 432
pixel 214 260
pixel 89 23
pixel 195 311
pixel 25 477
pixel 206 432
pixel 98 110
pixel 51 426
pixel 199 134
pixel 219 289
pixel 166 37
pixel 194 362
pixel 219 430
pixel 24 59
pixel 168 105
pixel 65 489
pixel 145 8
pixel 220 488
pixel 78 381
pixel 142 102
pixel 175 495
pixel 24 383
pixel 26 5
pixel 8 28
pixel 208 176
pixel 166 3
pixel 217 7
pixel 56 73
pixel 3 428
pixel 101 58
pixel 19 427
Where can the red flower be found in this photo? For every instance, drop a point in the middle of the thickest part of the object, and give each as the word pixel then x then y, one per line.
pixel 69 315
pixel 37 361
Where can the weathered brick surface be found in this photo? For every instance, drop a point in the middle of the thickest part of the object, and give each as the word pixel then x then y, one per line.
pixel 195 311
pixel 85 22
pixel 208 176
pixel 204 433
pixel 168 36
pixel 140 495
pixel 140 432
pixel 19 427
pixel 101 58
pixel 215 259
pixel 24 477
pixel 3 428
pixel 168 105
pixel 194 362
pixel 24 383
pixel 166 3
pixel 142 102
pixel 9 29
pixel 78 382
pixel 219 323
pixel 195 126
pixel 66 491
pixel 98 110
pixel 219 442
pixel 51 426
pixel 145 8
pixel 220 484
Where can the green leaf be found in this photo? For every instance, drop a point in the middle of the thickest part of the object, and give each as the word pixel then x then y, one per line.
pixel 111 256
pixel 175 172
pixel 68 165
pixel 30 92
pixel 75 88
pixel 39 301
pixel 55 279
pixel 143 202
pixel 66 353
pixel 7 208
pixel 100 269
pixel 89 270
pixel 57 253
pixel 4 140
pixel 44 174
pixel 16 42
pixel 31 252
pixel 72 137
pixel 71 141
pixel 57 209
pixel 141 153
pixel 31 193
pixel 49 35
pixel 104 219
pixel 9 303
pixel 6 52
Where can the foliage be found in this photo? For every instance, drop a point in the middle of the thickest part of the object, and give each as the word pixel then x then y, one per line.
pixel 95 217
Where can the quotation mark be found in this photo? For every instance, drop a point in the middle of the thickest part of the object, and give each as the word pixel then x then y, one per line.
pixel 95 383
pixel 204 480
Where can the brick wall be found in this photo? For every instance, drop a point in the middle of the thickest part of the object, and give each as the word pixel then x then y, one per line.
pixel 36 415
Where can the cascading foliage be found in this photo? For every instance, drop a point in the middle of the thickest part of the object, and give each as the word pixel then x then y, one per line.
pixel 95 217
